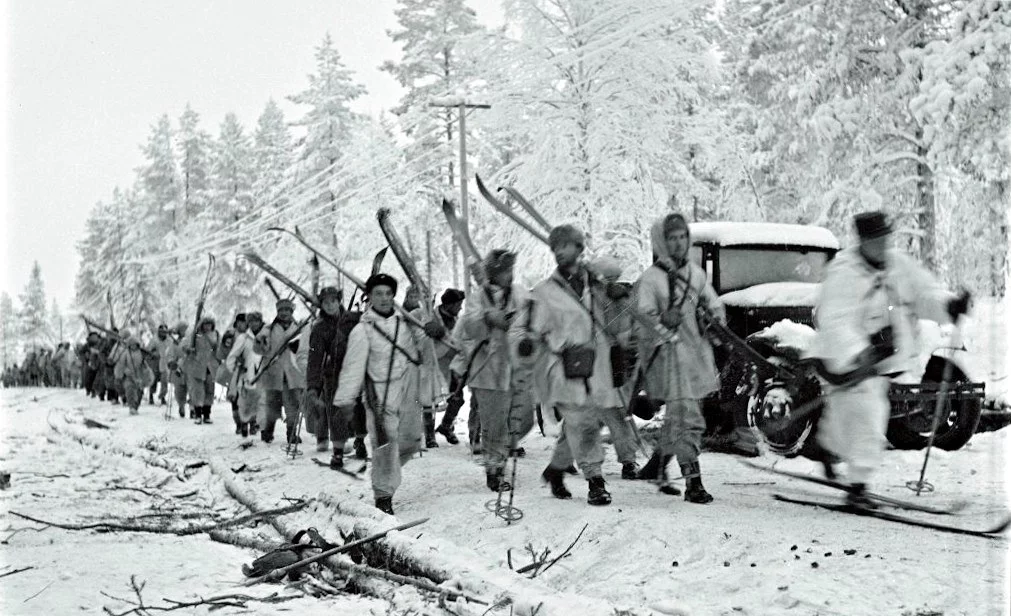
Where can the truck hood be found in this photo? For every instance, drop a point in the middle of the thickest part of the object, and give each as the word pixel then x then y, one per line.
pixel 774 294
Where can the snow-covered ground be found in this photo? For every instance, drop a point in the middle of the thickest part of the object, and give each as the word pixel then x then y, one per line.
pixel 645 554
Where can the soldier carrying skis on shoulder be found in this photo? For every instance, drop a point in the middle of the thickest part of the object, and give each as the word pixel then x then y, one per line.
pixel 680 372
pixel 133 371
pixel 493 325
pixel 449 310
pixel 200 365
pixel 573 373
pixel 283 382
pixel 328 343
pixel 866 322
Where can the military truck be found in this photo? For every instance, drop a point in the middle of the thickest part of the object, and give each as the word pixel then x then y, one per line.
pixel 767 276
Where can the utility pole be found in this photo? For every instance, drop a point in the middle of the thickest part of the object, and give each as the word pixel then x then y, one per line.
pixel 462 106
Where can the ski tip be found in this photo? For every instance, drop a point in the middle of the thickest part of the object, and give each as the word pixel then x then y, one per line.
pixel 383 213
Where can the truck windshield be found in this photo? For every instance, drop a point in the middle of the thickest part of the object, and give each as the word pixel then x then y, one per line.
pixel 744 267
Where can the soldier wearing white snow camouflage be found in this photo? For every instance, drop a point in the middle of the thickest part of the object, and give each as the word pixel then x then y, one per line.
pixel 866 321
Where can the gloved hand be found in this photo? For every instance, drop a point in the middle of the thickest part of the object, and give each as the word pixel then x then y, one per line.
pixel 526 347
pixel 959 305
pixel 671 319
pixel 435 330
pixel 616 290
pixel 293 346
pixel 496 319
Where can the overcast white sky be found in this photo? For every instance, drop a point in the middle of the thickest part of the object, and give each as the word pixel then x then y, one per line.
pixel 87 79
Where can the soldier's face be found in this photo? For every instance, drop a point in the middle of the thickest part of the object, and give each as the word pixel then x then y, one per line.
pixel 284 314
pixel 382 298
pixel 677 244
pixel 241 326
pixel 255 324
pixel 875 249
pixel 567 253
pixel 331 305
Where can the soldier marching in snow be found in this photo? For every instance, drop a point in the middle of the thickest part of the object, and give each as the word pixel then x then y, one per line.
pixel 200 365
pixel 173 363
pixel 683 371
pixel 242 362
pixel 283 382
pixel 157 350
pixel 573 373
pixel 383 365
pixel 328 344
pixel 134 372
pixel 498 377
pixel 449 310
pixel 866 321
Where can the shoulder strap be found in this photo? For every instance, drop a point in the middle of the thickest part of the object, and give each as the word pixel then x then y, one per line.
pixel 414 360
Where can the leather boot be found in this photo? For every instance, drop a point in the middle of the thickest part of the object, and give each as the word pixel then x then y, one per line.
pixel 495 482
pixel 360 451
pixel 598 494
pixel 385 504
pixel 447 432
pixel 553 477
pixel 429 418
pixel 858 499
pixel 664 480
pixel 652 467
pixel 695 492
pixel 207 413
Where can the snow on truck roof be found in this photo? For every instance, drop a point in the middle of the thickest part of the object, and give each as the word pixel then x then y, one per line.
pixel 771 233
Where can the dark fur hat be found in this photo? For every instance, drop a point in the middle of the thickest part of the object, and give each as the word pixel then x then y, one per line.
pixel 381 280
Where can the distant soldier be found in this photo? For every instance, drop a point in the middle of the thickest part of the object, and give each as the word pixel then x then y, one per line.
pixel 157 349
pixel 134 373
pixel 200 365
pixel 173 363
pixel 283 382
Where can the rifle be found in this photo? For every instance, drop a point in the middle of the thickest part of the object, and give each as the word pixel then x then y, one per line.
pixel 269 361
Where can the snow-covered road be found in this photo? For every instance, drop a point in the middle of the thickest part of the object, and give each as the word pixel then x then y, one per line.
pixel 646 553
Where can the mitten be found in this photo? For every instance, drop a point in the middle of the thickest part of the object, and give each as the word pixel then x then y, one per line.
pixel 959 305
pixel 435 330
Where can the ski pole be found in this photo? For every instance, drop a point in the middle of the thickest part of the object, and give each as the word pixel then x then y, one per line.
pixel 942 393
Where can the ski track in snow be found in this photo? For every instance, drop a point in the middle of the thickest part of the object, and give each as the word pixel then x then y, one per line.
pixel 734 556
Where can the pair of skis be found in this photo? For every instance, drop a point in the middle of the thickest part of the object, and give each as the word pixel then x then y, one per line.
pixel 885 501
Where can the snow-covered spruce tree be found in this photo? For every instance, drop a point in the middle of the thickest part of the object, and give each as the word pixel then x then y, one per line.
pixel 964 103
pixel 327 124
pixel 194 150
pixel 231 201
pixel 434 65
pixel 272 157
pixel 56 321
pixel 9 330
pixel 34 322
pixel 831 84
pixel 158 195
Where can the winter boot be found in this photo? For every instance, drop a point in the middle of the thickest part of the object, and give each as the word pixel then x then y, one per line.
pixel 207 414
pixel 385 504
pixel 447 432
pixel 360 451
pixel 857 498
pixel 571 469
pixel 695 493
pixel 239 427
pixel 495 482
pixel 243 430
pixel 337 460
pixel 429 418
pixel 652 468
pixel 663 478
pixel 150 398
pixel 197 414
pixel 629 470
pixel 193 413
pixel 598 494
pixel 553 477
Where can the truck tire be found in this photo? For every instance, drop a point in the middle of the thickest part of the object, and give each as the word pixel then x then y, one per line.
pixel 954 430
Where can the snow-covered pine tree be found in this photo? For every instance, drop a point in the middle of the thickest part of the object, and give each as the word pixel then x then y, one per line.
pixel 56 322
pixel 34 322
pixel 9 330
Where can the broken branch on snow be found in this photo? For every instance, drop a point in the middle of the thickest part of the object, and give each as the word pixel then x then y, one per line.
pixel 192 530
pixel 219 601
